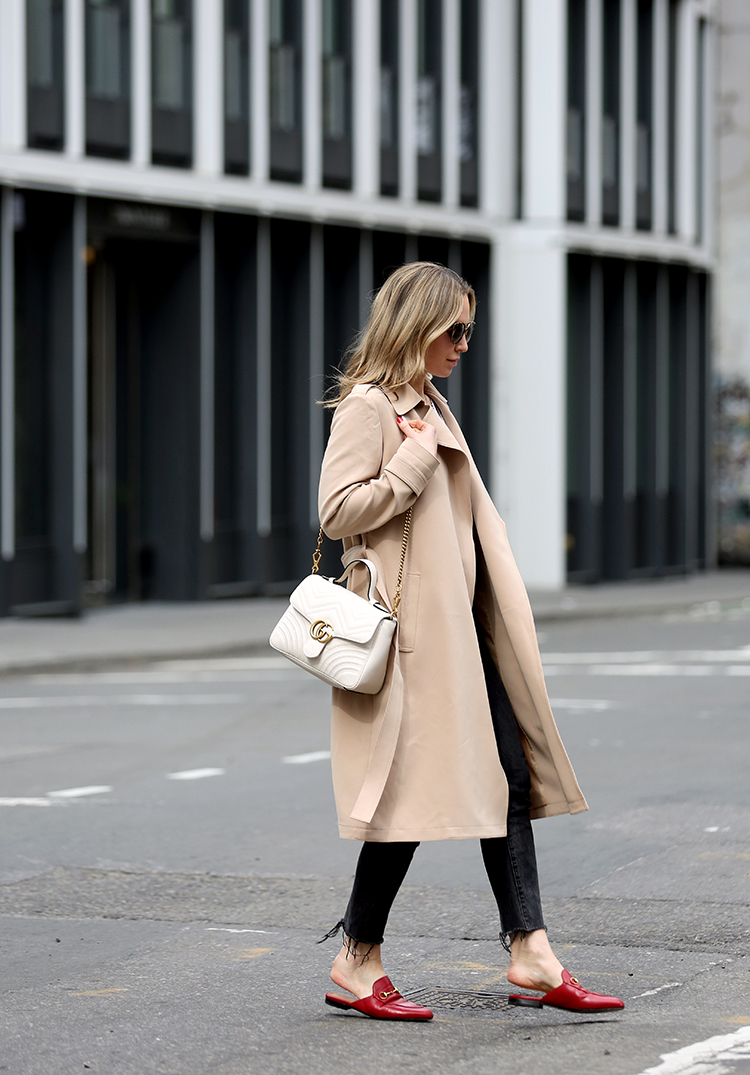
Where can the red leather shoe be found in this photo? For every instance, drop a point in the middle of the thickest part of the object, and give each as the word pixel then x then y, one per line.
pixel 385 1003
pixel 571 996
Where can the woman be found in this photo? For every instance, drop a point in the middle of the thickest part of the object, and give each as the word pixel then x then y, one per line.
pixel 460 743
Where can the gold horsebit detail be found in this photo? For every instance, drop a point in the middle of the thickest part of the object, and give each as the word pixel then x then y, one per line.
pixel 390 993
pixel 321 631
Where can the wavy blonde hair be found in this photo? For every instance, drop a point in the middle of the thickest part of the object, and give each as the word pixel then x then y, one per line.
pixel 416 304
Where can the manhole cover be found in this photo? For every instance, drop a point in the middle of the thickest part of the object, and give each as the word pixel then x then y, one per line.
pixel 458 998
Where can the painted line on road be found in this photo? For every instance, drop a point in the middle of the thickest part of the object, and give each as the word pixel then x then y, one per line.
pixel 227 929
pixel 660 989
pixel 304 759
pixel 224 664
pixel 702 1058
pixel 596 704
pixel 96 700
pixel 27 802
pixel 195 774
pixel 707 656
pixel 79 793
pixel 646 670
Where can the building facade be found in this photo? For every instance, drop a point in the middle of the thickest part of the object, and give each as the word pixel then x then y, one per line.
pixel 198 199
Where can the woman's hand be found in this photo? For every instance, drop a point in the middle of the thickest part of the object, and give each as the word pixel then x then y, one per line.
pixel 422 432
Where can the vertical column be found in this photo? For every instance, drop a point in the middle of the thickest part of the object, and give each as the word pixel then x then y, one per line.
pixel 596 400
pixel 451 98
pixel 709 148
pixel 12 74
pixel 316 369
pixel 208 86
pixel 365 89
pixel 207 346
pixel 259 121
pixel 80 390
pixel 75 79
pixel 594 48
pixel 629 403
pixel 407 152
pixel 263 373
pixel 660 122
pixel 544 37
pixel 662 394
pixel 498 89
pixel 312 119
pixel 7 376
pixel 628 107
pixel 686 123
pixel 366 282
pixel 140 68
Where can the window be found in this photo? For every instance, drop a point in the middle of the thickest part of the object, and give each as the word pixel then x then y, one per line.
pixel 469 102
pixel 643 129
pixel 108 78
pixel 337 38
pixel 285 70
pixel 172 82
pixel 236 87
pixel 576 114
pixel 44 60
pixel 389 97
pixel 610 158
pixel 428 132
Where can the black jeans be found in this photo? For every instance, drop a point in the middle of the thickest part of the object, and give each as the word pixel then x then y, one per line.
pixel 510 860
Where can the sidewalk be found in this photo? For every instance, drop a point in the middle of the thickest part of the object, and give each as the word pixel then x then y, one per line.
pixel 123 634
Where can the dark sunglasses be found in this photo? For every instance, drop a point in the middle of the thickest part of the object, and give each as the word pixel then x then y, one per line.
pixel 461 329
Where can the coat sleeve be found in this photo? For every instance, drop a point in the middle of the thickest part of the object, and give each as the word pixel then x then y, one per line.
pixel 357 493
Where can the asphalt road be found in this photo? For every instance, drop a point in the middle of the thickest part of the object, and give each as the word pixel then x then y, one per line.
pixel 168 858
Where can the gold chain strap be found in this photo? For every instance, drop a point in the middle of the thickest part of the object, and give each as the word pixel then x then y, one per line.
pixel 399 581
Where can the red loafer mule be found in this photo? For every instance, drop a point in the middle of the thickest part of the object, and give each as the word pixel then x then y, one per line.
pixel 571 996
pixel 385 1003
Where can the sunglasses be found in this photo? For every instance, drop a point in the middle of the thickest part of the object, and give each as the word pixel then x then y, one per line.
pixel 461 329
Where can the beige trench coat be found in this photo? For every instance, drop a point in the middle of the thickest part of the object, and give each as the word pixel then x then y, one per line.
pixel 418 761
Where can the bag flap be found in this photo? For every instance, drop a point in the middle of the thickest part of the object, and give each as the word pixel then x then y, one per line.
pixel 347 614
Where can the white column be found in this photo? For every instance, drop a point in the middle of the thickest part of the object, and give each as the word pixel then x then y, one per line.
pixel 75 79
pixel 451 100
pixel 207 346
pixel 80 391
pixel 316 367
pixel 407 105
pixel 528 402
pixel 660 117
pixel 544 96
pixel 628 111
pixel 263 376
pixel 7 377
pixel 366 97
pixel 312 95
pixel 709 132
pixel 498 105
pixel 12 74
pixel 140 68
pixel 593 119
pixel 686 148
pixel 259 121
pixel 208 86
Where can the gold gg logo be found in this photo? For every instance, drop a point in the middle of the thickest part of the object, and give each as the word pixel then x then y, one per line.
pixel 321 631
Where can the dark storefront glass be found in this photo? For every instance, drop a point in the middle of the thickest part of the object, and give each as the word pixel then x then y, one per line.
pixel 108 78
pixel 285 89
pixel 45 74
pixel 337 93
pixel 429 101
pixel 576 113
pixel 469 117
pixel 236 87
pixel 643 143
pixel 610 156
pixel 389 97
pixel 171 82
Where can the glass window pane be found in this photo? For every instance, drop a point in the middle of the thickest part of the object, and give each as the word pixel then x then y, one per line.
pixel 44 67
pixel 389 96
pixel 575 127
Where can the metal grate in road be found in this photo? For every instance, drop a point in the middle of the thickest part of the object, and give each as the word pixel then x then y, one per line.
pixel 458 998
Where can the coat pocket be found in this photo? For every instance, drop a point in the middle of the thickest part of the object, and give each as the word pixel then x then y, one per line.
pixel 409 611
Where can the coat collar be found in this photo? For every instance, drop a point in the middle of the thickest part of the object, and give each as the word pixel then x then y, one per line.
pixel 405 398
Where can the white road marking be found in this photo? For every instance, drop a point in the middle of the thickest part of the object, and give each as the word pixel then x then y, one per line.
pixel 27 802
pixel 303 759
pixel 227 929
pixel 597 704
pixel 98 700
pixel 79 793
pixel 710 656
pixel 195 774
pixel 653 992
pixel 149 675
pixel 711 1057
pixel 224 664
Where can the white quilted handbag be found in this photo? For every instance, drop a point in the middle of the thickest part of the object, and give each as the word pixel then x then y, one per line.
pixel 340 637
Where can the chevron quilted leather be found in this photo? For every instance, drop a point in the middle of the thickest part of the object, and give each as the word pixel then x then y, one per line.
pixel 356 655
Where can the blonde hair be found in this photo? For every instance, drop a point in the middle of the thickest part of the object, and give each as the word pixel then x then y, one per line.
pixel 416 304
